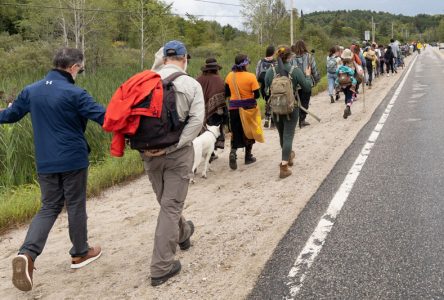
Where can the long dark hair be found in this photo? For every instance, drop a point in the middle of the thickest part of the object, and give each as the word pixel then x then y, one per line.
pixel 333 50
pixel 299 48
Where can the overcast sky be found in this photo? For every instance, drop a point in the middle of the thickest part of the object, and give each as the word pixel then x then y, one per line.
pixel 225 14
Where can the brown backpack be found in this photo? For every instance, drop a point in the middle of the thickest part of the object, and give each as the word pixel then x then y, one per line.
pixel 282 100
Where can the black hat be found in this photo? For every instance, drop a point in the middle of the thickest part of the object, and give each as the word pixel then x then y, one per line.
pixel 211 65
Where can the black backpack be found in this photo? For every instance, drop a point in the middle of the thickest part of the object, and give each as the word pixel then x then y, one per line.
pixel 263 68
pixel 159 133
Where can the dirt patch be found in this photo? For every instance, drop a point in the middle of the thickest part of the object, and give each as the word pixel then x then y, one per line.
pixel 240 216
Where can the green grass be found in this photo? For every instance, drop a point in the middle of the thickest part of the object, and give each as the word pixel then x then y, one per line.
pixel 321 86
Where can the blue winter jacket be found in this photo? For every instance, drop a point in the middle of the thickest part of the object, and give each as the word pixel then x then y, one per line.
pixel 59 113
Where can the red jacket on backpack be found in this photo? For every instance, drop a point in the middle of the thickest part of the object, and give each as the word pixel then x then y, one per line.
pixel 121 118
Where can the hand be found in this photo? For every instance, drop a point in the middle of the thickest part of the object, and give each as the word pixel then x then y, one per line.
pixel 154 153
pixel 308 71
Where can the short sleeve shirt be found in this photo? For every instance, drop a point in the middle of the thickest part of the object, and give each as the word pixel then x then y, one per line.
pixel 246 82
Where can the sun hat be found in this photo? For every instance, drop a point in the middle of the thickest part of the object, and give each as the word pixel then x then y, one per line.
pixel 211 65
pixel 347 54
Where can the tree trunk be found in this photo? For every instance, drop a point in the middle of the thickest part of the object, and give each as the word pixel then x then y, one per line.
pixel 65 33
pixel 142 32
pixel 82 28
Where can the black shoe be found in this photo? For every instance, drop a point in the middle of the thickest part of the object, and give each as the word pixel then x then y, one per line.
pixel 185 245
pixel 233 163
pixel 266 124
pixel 303 124
pixel 250 159
pixel 347 112
pixel 155 281
pixel 337 97
pixel 332 100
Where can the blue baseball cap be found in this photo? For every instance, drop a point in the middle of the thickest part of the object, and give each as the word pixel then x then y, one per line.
pixel 174 48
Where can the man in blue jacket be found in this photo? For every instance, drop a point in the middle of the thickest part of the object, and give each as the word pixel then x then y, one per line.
pixel 59 112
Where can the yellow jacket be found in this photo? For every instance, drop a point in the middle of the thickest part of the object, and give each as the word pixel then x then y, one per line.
pixel 372 57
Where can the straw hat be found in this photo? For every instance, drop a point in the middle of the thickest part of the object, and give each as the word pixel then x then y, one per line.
pixel 347 54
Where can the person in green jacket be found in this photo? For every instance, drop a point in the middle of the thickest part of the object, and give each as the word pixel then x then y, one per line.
pixel 287 125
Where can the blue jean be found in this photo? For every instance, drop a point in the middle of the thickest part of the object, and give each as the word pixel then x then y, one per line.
pixel 331 83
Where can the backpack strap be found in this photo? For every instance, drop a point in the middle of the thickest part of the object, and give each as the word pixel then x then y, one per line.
pixel 173 77
pixel 291 72
pixel 274 71
pixel 235 86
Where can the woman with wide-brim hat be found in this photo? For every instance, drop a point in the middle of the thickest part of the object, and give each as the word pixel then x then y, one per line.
pixel 213 86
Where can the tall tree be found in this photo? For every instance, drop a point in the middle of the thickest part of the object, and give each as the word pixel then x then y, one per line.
pixel 269 19
pixel 154 23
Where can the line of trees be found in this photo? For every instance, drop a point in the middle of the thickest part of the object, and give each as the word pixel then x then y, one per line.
pixel 94 26
pixel 97 27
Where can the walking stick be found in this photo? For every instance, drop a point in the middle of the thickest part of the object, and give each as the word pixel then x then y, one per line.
pixel 363 95
pixel 305 110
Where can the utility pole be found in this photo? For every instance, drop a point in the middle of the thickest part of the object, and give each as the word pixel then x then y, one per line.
pixel 291 22
pixel 142 33
pixel 392 31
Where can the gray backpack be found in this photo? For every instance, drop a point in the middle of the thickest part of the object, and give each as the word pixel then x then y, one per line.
pixel 331 65
pixel 282 100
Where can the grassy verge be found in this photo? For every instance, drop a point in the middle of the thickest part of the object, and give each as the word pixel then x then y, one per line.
pixel 320 87
pixel 19 204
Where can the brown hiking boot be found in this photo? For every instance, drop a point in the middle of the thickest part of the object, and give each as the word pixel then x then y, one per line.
pixel 93 254
pixel 285 171
pixel 291 160
pixel 22 268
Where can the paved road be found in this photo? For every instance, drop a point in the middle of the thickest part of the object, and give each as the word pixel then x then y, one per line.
pixel 387 241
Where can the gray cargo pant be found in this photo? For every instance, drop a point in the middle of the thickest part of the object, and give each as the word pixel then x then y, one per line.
pixel 170 176
pixel 56 189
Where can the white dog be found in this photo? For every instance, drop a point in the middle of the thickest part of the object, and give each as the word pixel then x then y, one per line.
pixel 203 148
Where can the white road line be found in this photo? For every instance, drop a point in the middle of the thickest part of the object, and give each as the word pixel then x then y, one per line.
pixel 317 239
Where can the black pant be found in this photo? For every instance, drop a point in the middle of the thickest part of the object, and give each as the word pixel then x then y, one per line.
pixel 238 138
pixel 305 102
pixel 389 66
pixel 370 72
pixel 219 120
pixel 56 189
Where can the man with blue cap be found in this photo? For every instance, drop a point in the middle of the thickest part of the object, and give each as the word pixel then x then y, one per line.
pixel 169 169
